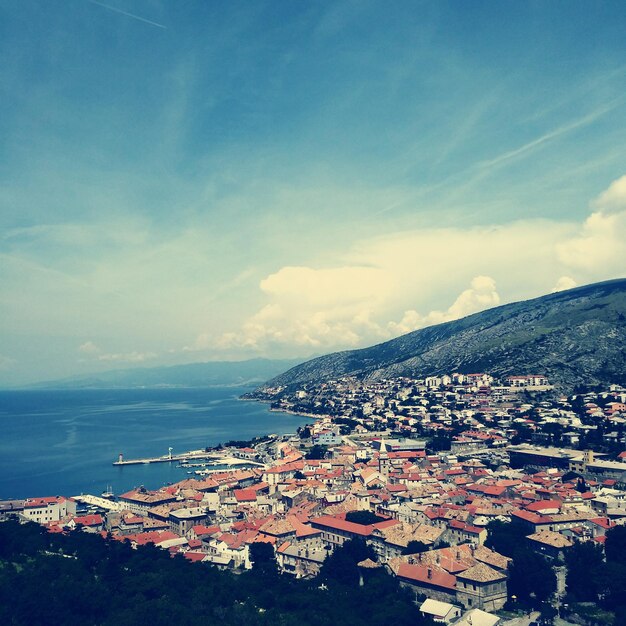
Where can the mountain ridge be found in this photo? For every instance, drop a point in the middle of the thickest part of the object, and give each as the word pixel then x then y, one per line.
pixel 203 374
pixel 574 337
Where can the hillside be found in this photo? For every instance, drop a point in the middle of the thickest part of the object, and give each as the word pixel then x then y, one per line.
pixel 207 374
pixel 573 337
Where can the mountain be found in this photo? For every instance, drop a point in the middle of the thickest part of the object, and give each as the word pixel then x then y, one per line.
pixel 212 373
pixel 574 337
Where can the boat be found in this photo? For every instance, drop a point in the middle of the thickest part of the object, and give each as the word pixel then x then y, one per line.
pixel 108 493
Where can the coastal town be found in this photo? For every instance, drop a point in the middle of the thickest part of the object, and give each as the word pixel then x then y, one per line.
pixel 424 472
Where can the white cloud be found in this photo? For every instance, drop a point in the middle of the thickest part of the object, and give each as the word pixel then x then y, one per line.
pixel 347 324
pixel 325 287
pixel 406 275
pixel 481 295
pixel 89 347
pixel 614 198
pixel 600 243
pixel 565 282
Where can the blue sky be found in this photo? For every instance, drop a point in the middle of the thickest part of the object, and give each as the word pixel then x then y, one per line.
pixel 198 180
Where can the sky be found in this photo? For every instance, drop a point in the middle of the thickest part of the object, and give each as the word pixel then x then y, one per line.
pixel 197 180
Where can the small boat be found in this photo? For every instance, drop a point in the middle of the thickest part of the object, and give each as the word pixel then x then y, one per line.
pixel 108 493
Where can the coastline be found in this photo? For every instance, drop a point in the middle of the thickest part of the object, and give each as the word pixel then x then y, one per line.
pixel 315 416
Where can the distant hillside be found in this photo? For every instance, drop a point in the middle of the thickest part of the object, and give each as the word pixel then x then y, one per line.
pixel 207 374
pixel 575 336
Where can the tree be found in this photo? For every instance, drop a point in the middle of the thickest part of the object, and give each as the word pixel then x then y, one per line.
pixel 363 517
pixel 505 537
pixel 262 558
pixel 584 566
pixel 414 547
pixel 615 544
pixel 581 485
pixel 341 565
pixel 304 432
pixel 531 578
pixel 316 452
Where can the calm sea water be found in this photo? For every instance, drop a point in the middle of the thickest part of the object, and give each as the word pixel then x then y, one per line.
pixel 64 442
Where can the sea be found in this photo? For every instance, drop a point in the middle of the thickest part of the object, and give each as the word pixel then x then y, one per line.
pixel 64 442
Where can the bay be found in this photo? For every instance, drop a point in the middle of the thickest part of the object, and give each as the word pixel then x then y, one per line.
pixel 63 442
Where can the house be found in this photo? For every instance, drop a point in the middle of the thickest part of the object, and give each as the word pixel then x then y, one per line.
pixel 439 612
pixel 90 523
pixel 424 580
pixel 229 549
pixel 181 521
pixel 336 531
pixel 300 561
pixel 460 532
pixel 390 541
pixel 481 587
pixel 476 617
pixel 550 543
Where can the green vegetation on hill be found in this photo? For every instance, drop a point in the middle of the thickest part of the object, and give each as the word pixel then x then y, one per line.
pixel 81 578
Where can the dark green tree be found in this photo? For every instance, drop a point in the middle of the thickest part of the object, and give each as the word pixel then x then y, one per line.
pixel 615 544
pixel 262 558
pixel 531 578
pixel 584 563
pixel 341 565
pixel 415 547
pixel 317 452
pixel 363 517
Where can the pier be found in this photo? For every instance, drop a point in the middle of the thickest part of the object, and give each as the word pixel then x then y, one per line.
pixel 101 503
pixel 194 455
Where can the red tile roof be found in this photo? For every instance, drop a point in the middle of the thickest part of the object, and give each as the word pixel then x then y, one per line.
pixel 427 575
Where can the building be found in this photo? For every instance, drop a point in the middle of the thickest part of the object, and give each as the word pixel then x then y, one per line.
pixel 48 509
pixel 141 500
pixel 439 612
pixel 181 521
pixel 481 587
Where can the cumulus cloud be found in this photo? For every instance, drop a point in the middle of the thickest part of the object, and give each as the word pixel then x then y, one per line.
pixel 600 243
pixel 481 295
pixel 565 282
pixel 324 287
pixel 313 308
pixel 394 284
pixel 347 325
pixel 614 198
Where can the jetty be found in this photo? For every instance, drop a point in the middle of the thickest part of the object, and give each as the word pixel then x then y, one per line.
pixel 102 503
pixel 193 455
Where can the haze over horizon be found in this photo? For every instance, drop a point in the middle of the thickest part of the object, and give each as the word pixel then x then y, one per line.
pixel 203 181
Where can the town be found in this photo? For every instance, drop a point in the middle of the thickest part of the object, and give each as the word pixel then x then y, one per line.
pixel 480 496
